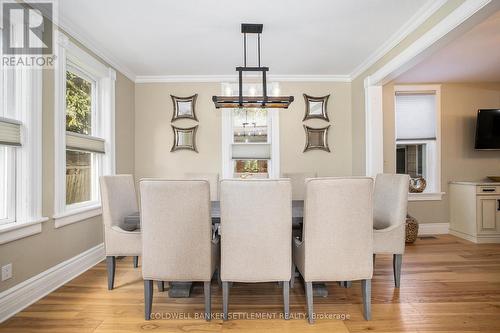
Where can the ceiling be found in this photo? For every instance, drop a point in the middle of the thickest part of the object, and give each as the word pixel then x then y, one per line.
pixel 472 57
pixel 202 37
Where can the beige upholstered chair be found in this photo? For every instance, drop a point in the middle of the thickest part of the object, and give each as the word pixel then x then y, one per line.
pixel 337 242
pixel 118 200
pixel 177 235
pixel 212 178
pixel 389 216
pixel 256 228
pixel 298 180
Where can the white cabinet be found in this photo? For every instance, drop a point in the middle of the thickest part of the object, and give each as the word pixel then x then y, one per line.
pixel 475 211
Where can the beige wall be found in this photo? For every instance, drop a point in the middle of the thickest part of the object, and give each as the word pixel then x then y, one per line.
pixel 154 134
pixel 32 255
pixel 459 160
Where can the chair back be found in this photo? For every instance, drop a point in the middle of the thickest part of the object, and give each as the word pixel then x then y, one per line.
pixel 298 180
pixel 390 200
pixel 176 230
pixel 213 180
pixel 338 229
pixel 118 199
pixel 256 230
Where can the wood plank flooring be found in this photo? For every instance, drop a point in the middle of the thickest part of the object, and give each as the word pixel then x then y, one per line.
pixel 448 285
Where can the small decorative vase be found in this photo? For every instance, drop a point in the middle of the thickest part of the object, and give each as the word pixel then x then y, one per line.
pixel 411 229
pixel 417 185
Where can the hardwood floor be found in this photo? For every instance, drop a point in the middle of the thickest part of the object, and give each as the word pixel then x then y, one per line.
pixel 448 285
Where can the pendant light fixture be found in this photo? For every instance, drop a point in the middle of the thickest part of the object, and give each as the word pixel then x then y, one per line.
pixel 240 101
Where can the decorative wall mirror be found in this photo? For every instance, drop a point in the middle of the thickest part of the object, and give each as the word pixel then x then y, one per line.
pixel 184 107
pixel 316 107
pixel 316 138
pixel 184 138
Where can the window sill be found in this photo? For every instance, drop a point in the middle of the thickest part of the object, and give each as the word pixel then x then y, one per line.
pixel 17 230
pixel 77 215
pixel 431 196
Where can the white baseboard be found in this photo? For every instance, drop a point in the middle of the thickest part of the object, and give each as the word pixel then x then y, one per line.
pixel 28 292
pixel 433 229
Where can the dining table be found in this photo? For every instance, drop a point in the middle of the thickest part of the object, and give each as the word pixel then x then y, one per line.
pixel 183 289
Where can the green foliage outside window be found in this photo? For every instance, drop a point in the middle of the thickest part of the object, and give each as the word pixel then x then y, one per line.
pixel 78 104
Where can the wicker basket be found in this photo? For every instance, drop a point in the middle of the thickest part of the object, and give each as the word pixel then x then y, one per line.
pixel 411 229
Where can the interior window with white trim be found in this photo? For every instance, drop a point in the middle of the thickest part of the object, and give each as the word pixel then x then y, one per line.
pixel 417 138
pixel 84 130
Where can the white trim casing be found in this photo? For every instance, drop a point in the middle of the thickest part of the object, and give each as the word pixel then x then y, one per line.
pixel 24 294
pixel 104 127
pixel 374 130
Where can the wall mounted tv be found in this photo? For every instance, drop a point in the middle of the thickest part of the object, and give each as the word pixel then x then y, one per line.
pixel 488 129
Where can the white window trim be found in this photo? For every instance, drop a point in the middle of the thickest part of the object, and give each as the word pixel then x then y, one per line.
pixel 27 97
pixel 227 139
pixel 68 51
pixel 435 174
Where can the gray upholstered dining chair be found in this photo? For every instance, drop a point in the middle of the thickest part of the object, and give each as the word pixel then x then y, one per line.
pixel 256 228
pixel 337 242
pixel 298 180
pixel 389 216
pixel 212 178
pixel 119 200
pixel 177 242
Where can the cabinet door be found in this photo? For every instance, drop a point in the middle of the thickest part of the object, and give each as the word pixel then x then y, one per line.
pixel 488 214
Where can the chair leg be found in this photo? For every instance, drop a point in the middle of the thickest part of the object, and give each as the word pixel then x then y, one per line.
pixel 292 279
pixel 397 260
pixel 225 299
pixel 161 286
pixel 208 300
pixel 136 261
pixel 366 289
pixel 148 298
pixel 309 300
pixel 286 299
pixel 374 255
pixel 111 264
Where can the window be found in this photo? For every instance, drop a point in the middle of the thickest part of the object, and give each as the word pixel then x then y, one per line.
pixel 84 132
pixel 250 141
pixel 20 151
pixel 417 135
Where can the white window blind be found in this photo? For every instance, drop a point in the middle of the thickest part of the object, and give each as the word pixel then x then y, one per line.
pixel 251 151
pixel 10 132
pixel 415 116
pixel 86 143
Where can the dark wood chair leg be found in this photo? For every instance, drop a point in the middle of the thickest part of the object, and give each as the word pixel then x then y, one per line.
pixel 136 261
pixel 148 298
pixel 309 301
pixel 161 286
pixel 225 299
pixel 286 299
pixel 366 289
pixel 397 260
pixel 111 264
pixel 208 301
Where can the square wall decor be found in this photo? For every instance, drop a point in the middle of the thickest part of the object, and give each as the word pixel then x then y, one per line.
pixel 184 138
pixel 316 107
pixel 184 107
pixel 316 138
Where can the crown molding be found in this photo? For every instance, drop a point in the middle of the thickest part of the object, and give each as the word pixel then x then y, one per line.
pixel 229 78
pixel 426 11
pixel 96 49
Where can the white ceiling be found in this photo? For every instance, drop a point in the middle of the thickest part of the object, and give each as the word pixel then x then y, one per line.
pixel 472 57
pixel 202 37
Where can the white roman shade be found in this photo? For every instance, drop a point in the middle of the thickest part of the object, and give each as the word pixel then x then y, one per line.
pixel 415 116
pixel 10 132
pixel 87 143
pixel 251 151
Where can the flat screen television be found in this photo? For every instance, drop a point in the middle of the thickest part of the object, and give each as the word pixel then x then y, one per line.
pixel 488 129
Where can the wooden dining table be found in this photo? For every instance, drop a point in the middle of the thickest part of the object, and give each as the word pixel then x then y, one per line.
pixel 183 289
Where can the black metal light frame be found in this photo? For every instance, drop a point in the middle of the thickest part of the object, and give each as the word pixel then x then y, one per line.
pixel 241 101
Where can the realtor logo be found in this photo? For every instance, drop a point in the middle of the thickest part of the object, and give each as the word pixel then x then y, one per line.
pixel 27 28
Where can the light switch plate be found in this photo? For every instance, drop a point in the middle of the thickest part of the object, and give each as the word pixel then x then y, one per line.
pixel 6 272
